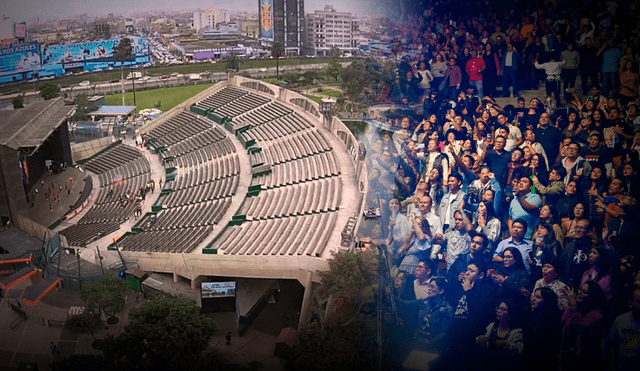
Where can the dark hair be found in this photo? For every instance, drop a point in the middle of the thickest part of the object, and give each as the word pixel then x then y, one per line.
pixel 456 134
pixel 480 264
pixel 485 239
pixel 491 212
pixel 562 172
pixel 440 281
pixel 549 305
pixel 517 255
pixel 515 313
pixel 428 264
pixel 525 226
pixel 457 176
pixel 573 214
pixel 557 265
pixel 553 212
pixel 597 298
pixel 426 228
pixel 603 265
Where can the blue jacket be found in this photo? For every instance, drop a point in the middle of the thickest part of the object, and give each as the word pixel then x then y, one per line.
pixel 517 61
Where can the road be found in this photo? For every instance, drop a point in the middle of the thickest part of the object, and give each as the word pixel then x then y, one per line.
pixel 105 88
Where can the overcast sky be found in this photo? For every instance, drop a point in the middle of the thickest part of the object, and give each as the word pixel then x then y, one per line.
pixel 25 10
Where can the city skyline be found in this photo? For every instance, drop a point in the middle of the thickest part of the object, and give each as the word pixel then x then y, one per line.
pixel 26 10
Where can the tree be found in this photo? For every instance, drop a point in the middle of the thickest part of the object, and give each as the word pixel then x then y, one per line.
pixel 334 69
pixel 84 323
pixel 277 51
pixel 83 107
pixel 49 90
pixel 335 52
pixel 108 294
pixel 166 328
pixel 122 53
pixel 233 62
pixel 18 102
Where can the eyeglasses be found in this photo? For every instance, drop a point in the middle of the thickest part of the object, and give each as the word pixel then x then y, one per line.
pixel 580 228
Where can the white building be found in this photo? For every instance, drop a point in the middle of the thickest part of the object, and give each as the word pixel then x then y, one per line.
pixel 328 29
pixel 6 28
pixel 210 18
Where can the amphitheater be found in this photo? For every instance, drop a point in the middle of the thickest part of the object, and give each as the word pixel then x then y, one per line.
pixel 256 183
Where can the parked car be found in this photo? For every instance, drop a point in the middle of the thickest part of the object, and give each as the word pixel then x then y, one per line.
pixel 85 83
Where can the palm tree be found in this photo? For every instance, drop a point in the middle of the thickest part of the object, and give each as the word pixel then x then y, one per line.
pixel 122 52
pixel 277 51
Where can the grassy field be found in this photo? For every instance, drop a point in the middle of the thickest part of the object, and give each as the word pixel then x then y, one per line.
pixel 332 93
pixel 314 98
pixel 169 97
pixel 158 71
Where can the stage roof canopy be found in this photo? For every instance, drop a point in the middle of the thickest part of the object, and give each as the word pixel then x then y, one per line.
pixel 113 111
pixel 27 128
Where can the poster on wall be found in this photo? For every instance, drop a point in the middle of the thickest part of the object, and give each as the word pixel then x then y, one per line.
pixel 89 51
pixel 19 58
pixel 218 289
pixel 266 19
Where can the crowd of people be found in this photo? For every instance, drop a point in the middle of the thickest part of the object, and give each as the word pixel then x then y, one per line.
pixel 512 231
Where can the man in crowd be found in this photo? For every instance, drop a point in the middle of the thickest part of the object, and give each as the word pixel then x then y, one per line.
pixel 574 257
pixel 452 201
pixel 497 159
pixel 525 206
pixel 517 240
pixel 555 190
pixel 549 136
pixel 598 154
pixel 456 241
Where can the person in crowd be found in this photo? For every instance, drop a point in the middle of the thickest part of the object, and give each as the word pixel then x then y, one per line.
pixel 569 224
pixel 435 315
pixel 510 67
pixel 475 67
pixel 433 158
pixel 486 180
pixel 517 240
pixel 576 166
pixel 545 248
pixel 425 210
pixel 491 71
pixel 551 272
pixel 515 166
pixel 553 70
pixel 399 225
pixel 512 277
pixel 455 241
pixel 593 188
pixel 526 206
pixel 543 344
pixel 454 74
pixel 497 159
pixel 549 214
pixel 416 247
pixel 425 82
pixel 438 70
pixel 487 223
pixel 623 337
pixel 548 135
pixel 574 257
pixel 588 64
pixel 451 202
pixel 555 190
pixel 570 69
pixel 629 83
pixel 610 55
pixel 571 198
pixel 582 328
pixel 603 266
pixel 597 154
pixel 504 334
pixel 435 189
pixel 533 146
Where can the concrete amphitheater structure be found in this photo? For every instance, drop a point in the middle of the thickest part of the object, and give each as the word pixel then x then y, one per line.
pixel 257 183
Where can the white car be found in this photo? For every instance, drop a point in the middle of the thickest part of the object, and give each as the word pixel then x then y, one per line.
pixel 85 83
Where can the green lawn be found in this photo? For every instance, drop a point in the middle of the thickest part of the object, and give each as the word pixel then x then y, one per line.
pixel 332 93
pixel 158 71
pixel 169 97
pixel 314 98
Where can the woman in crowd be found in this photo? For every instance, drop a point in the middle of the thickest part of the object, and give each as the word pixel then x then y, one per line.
pixel 582 328
pixel 598 118
pixel 550 272
pixel 399 225
pixel 630 176
pixel 566 204
pixel 568 224
pixel 512 276
pixel 628 83
pixel 548 214
pixel 505 333
pixel 543 344
pixel 435 187
pixel 545 249
pixel 592 188
pixel 425 83
pixel 416 246
pixel 600 269
pixel 539 168
pixel 487 223
pixel 438 69
pixel 435 315
pixel 491 71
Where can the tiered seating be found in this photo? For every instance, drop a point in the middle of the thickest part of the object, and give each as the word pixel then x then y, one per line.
pixel 304 198
pixel 261 115
pixel 112 158
pixel 178 240
pixel 220 98
pixel 179 128
pixel 241 105
pixel 207 175
pixel 119 181
pixel 316 166
pixel 302 235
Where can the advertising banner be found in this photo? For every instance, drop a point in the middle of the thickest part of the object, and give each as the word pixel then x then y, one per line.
pixel 19 58
pixel 89 51
pixel 21 30
pixel 218 289
pixel 266 19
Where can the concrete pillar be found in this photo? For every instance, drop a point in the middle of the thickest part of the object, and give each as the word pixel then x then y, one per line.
pixel 176 278
pixel 195 282
pixel 305 310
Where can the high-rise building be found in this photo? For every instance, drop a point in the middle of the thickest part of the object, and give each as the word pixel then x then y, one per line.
pixel 210 18
pixel 328 29
pixel 282 21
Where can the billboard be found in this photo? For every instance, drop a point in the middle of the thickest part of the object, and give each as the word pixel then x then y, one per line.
pixel 266 19
pixel 21 30
pixel 218 289
pixel 89 51
pixel 19 58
